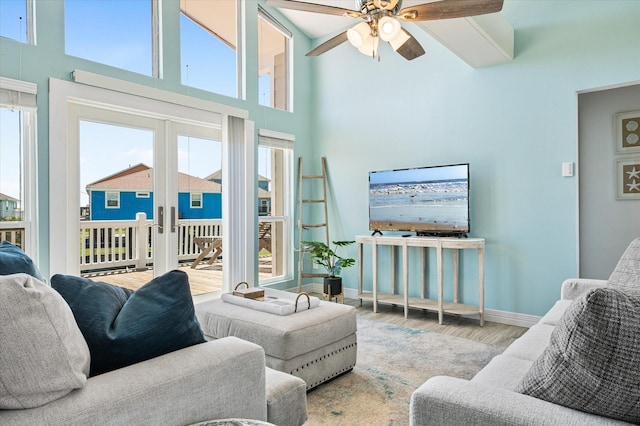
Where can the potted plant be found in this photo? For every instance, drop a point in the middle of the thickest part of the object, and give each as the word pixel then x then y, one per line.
pixel 332 262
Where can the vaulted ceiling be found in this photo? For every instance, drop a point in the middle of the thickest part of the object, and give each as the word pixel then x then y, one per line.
pixel 479 41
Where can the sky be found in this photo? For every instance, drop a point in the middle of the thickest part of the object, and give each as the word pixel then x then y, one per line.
pixel 419 174
pixel 119 33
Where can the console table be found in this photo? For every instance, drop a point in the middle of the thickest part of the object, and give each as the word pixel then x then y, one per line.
pixel 439 244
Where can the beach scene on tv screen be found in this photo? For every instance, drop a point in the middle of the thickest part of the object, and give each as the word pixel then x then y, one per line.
pixel 431 198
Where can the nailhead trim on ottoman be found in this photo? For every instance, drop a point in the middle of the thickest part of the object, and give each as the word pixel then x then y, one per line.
pixel 316 345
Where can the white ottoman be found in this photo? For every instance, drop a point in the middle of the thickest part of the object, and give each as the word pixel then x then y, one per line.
pixel 316 345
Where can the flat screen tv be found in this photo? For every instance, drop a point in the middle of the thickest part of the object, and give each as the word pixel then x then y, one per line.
pixel 432 201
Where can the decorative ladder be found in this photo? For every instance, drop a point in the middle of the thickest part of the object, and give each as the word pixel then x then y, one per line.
pixel 302 178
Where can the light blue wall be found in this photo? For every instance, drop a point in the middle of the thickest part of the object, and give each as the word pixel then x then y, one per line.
pixel 47 60
pixel 515 123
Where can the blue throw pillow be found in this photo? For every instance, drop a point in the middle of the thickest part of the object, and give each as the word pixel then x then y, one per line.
pixel 123 327
pixel 15 261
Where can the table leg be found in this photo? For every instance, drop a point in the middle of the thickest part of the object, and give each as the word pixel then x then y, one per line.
pixel 374 257
pixel 405 272
pixel 205 251
pixel 440 283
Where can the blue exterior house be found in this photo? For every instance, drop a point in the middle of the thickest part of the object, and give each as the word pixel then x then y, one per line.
pixel 8 207
pixel 122 195
pixel 264 194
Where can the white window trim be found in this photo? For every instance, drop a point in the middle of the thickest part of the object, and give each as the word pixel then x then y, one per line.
pixel 192 200
pixel 143 194
pixel 21 95
pixel 107 199
pixel 263 14
pixel 285 141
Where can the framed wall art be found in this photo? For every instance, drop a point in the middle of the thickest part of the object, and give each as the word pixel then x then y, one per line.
pixel 628 179
pixel 627 129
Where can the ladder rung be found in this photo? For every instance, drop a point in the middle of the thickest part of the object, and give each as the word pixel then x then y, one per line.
pixel 313 201
pixel 313 177
pixel 313 275
pixel 313 225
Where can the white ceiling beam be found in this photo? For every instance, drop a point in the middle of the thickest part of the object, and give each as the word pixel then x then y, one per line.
pixel 480 41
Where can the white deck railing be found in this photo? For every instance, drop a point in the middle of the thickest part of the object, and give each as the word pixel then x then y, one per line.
pixel 112 244
pixel 12 232
pixel 106 244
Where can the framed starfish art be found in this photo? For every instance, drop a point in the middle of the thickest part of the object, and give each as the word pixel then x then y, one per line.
pixel 628 179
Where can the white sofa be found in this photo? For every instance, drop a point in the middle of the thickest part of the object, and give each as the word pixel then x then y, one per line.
pixel 197 383
pixel 490 398
pixel 44 372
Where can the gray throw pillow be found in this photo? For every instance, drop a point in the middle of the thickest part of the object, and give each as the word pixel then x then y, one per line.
pixel 592 363
pixel 627 271
pixel 43 355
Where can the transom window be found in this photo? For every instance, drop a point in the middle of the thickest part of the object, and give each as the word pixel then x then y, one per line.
pixel 16 20
pixel 117 33
pixel 208 45
pixel 273 63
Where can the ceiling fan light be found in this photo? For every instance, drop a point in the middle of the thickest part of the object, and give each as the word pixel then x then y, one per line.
pixel 359 34
pixel 399 40
pixel 370 46
pixel 388 28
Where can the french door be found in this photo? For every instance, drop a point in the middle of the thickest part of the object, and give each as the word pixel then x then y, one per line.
pixel 140 180
pixel 158 154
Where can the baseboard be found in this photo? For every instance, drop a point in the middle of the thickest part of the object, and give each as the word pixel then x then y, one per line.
pixel 511 318
pixel 492 315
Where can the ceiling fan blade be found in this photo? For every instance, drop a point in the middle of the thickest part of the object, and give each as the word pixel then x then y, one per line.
pixel 410 49
pixel 312 7
pixel 329 44
pixel 447 9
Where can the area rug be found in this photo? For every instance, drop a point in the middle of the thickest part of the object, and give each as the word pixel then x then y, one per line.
pixel 392 362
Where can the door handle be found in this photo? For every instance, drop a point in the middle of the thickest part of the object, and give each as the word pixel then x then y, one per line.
pixel 173 219
pixel 160 220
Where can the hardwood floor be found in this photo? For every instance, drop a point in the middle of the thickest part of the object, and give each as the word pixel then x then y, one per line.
pixel 203 279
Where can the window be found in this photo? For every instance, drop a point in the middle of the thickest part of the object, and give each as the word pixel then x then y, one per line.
pixel 112 200
pixel 143 195
pixel 17 164
pixel 117 33
pixel 16 20
pixel 208 45
pixel 275 206
pixel 196 200
pixel 273 63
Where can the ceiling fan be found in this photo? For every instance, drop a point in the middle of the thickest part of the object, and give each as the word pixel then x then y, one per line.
pixel 381 21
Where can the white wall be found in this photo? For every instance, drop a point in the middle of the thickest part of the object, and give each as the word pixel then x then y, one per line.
pixel 607 225
pixel 515 123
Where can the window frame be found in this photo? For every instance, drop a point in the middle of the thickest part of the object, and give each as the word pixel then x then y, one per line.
pixel 22 96
pixel 107 199
pixel 288 36
pixel 193 200
pixel 155 45
pixel 240 48
pixel 30 20
pixel 285 143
